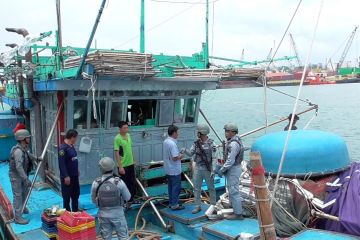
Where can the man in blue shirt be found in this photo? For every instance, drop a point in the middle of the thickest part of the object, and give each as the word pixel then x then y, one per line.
pixel 69 171
pixel 172 166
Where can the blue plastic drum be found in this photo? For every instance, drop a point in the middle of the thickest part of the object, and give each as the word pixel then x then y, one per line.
pixel 7 140
pixel 310 153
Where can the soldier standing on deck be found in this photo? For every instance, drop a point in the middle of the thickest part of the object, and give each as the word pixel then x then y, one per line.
pixel 203 149
pixel 233 156
pixel 20 165
pixel 109 193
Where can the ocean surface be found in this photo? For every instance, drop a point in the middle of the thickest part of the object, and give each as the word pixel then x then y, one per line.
pixel 339 110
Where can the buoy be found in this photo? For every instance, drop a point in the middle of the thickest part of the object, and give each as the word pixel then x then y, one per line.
pixel 310 153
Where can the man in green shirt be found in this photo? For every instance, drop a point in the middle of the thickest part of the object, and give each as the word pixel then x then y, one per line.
pixel 124 156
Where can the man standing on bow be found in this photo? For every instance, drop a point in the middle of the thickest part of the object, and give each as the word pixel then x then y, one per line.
pixel 233 156
pixel 69 171
pixel 293 127
pixel 109 193
pixel 125 159
pixel 203 149
pixel 20 165
pixel 172 165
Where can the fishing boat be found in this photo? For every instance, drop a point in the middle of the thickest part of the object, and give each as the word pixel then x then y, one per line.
pixel 90 90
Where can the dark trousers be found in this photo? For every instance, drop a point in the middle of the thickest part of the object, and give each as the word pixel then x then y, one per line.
pixel 72 192
pixel 130 180
pixel 174 187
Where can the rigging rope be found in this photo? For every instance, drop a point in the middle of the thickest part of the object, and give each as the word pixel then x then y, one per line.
pixel 296 103
pixel 271 61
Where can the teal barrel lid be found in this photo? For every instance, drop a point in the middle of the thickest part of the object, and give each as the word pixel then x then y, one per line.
pixel 310 152
pixel 8 123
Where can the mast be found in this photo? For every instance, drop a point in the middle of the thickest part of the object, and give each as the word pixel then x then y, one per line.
pixel 206 48
pixel 142 27
pixel 59 35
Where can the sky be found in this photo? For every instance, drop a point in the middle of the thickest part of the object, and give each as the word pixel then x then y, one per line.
pixel 177 27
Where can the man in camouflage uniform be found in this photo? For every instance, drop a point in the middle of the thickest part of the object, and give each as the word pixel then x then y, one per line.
pixel 20 165
pixel 203 150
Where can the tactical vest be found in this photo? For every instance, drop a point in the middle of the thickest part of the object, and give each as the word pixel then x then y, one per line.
pixel 240 156
pixel 27 164
pixel 201 154
pixel 108 193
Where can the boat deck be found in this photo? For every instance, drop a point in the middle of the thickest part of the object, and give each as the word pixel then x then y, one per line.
pixel 185 225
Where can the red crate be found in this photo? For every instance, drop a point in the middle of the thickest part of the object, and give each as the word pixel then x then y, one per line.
pixel 73 219
pixel 83 235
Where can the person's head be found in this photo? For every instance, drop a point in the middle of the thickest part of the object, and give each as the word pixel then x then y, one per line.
pixel 123 127
pixel 173 131
pixel 106 165
pixel 23 136
pixel 71 136
pixel 296 117
pixel 202 130
pixel 231 130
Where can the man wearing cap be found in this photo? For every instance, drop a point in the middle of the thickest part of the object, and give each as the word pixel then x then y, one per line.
pixel 203 150
pixel 233 156
pixel 293 127
pixel 109 193
pixel 20 165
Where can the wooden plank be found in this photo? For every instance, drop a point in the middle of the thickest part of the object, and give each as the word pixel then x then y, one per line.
pixel 267 229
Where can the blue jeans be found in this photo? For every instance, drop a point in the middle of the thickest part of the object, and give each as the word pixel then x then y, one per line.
pixel 174 187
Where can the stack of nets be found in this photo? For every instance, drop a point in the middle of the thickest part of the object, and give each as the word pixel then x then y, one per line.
pixel 112 63
pixel 225 74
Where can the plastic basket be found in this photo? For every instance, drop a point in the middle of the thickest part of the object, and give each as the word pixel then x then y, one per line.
pixel 85 235
pixel 73 219
pixel 51 235
pixel 80 228
pixel 48 220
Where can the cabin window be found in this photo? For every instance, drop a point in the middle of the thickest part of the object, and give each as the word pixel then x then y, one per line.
pixel 190 110
pixel 117 93
pixel 100 106
pixel 80 93
pixel 117 113
pixel 80 114
pixel 166 109
pixel 141 112
pixel 179 110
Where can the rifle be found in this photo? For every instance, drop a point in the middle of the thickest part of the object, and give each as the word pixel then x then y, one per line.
pixel 203 155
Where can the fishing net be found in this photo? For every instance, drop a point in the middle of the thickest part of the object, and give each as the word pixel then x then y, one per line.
pixel 291 209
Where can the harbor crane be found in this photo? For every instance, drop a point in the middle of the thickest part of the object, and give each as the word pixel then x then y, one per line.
pixel 295 49
pixel 347 47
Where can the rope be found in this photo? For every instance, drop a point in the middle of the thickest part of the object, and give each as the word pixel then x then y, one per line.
pixel 296 101
pixel 315 115
pixel 271 60
pixel 284 93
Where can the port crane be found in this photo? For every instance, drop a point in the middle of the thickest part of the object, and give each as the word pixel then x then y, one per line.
pixel 295 49
pixel 347 47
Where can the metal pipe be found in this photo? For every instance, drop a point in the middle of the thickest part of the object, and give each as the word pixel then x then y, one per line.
pixel 192 184
pixel 189 180
pixel 42 156
pixel 324 215
pixel 153 205
pixel 217 135
pixel 274 123
pixel 90 39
